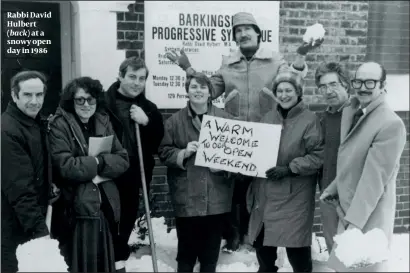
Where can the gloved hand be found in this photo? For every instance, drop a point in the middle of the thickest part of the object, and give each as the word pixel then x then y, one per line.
pixel 307 47
pixel 278 172
pixel 182 60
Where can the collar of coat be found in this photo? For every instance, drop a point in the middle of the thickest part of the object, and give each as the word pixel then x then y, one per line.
pixel 294 112
pixel 101 124
pixel 348 113
pixel 196 122
pixel 237 56
pixel 355 104
pixel 16 113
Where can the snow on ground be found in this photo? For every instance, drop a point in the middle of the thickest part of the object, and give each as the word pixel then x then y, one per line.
pixel 40 255
pixel 243 260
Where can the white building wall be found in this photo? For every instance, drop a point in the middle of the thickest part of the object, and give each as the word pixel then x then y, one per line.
pixel 95 39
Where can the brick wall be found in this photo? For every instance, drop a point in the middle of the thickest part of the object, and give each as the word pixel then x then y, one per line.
pixel 346 42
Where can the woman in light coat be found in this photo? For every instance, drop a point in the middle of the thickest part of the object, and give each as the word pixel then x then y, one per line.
pixel 282 205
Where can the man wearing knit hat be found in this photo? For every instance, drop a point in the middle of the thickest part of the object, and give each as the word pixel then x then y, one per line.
pixel 245 77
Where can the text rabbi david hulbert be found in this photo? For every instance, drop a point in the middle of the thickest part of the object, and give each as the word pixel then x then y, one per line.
pixel 22 14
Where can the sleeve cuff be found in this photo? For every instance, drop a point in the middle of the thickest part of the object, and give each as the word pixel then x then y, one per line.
pixel 292 169
pixel 303 71
pixel 180 159
pixel 292 173
pixel 357 222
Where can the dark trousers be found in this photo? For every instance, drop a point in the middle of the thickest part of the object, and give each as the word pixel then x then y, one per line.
pixel 238 219
pixel 129 188
pixel 8 256
pixel 300 258
pixel 199 238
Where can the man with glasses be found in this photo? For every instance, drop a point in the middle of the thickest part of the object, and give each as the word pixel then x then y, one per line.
pixel 372 141
pixel 333 82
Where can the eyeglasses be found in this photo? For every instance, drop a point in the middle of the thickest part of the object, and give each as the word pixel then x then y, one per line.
pixel 325 87
pixel 369 84
pixel 81 101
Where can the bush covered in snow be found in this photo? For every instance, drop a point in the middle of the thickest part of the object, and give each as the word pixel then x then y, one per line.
pixel 357 250
pixel 40 255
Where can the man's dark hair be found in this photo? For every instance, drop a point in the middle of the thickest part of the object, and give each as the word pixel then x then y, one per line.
pixel 24 76
pixel 89 85
pixel 135 63
pixel 332 67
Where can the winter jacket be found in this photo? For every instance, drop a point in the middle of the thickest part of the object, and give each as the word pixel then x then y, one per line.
pixel 367 166
pixel 24 187
pixel 286 207
pixel 243 83
pixel 151 134
pixel 75 169
pixel 195 190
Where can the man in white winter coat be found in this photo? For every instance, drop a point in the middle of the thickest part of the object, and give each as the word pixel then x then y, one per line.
pixel 372 140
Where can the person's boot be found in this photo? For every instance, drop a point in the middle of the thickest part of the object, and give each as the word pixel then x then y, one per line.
pixel 233 239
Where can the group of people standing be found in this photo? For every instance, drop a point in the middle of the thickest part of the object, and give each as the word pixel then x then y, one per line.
pixel 92 220
pixel 352 148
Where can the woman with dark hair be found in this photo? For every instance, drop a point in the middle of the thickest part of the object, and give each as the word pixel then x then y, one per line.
pixel 282 205
pixel 89 211
pixel 201 196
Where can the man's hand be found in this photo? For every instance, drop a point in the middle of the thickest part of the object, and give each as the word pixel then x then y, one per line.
pixel 138 115
pixel 278 172
pixel 191 148
pixel 305 48
pixel 332 200
pixel 181 60
pixel 327 196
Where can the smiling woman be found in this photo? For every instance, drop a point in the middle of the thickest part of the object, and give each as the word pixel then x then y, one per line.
pixel 88 214
pixel 201 197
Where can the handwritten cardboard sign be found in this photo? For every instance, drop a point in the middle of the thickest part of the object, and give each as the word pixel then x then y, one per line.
pixel 243 147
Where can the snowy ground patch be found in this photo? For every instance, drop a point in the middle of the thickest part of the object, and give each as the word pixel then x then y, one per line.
pixel 40 255
pixel 243 260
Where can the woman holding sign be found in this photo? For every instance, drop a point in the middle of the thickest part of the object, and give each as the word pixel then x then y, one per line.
pixel 282 205
pixel 86 222
pixel 201 196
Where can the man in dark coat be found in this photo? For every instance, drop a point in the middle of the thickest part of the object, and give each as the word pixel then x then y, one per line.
pixel 24 187
pixel 128 106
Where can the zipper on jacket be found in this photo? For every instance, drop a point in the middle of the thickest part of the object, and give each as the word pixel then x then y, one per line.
pixel 81 147
pixel 249 93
